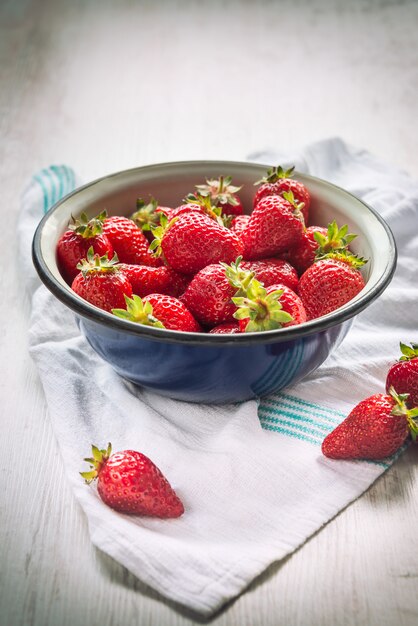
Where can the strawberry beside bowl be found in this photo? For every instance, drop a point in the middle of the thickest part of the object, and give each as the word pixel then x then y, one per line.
pixel 202 367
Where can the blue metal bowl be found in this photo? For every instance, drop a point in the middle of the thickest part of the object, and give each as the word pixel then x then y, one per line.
pixel 200 367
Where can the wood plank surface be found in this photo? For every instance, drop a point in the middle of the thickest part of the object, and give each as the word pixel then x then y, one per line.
pixel 102 86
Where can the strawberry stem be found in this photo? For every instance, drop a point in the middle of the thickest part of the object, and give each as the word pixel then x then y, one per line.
pixel 400 408
pixel 86 227
pixel 408 352
pixel 97 461
pixel 96 263
pixel 263 310
pixel 138 311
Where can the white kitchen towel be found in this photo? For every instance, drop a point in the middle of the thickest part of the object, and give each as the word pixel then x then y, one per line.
pixel 252 478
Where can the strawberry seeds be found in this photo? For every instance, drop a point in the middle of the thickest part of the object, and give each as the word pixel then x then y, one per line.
pixel 204 265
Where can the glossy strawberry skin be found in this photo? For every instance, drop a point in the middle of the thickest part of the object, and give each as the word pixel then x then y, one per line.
pixel 145 280
pixel 129 482
pixel 272 271
pixel 195 240
pixel 185 208
pixel 172 313
pixel 403 376
pixel 208 296
pixel 239 223
pixel 369 432
pixel 300 193
pixel 228 328
pixel 72 247
pixel 327 285
pixel 291 303
pixel 273 228
pixel 302 255
pixel 106 290
pixel 129 242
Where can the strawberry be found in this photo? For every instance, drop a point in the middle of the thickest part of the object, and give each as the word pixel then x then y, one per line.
pixel 100 281
pixel 129 482
pixel 206 206
pixel 272 271
pixel 330 283
pixel 160 311
pixel 227 328
pixel 128 241
pixel 303 254
pixel 148 215
pixel 208 295
pixel 268 309
pixel 317 241
pixel 222 194
pixel 193 240
pixel 278 181
pixel 374 429
pixel 146 280
pixel 239 222
pixel 75 242
pixel 275 225
pixel 403 375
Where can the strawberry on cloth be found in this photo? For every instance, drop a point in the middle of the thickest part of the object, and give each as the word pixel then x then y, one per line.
pixel 251 476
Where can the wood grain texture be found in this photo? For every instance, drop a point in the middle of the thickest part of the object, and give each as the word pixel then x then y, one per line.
pixel 107 85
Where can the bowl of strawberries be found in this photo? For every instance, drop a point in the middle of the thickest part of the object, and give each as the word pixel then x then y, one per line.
pixel 234 283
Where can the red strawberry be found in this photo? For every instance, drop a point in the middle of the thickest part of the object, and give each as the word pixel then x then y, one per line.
pixel 278 181
pixel 272 271
pixel 375 429
pixel 303 254
pixel 208 295
pixel 101 283
pixel 128 241
pixel 75 242
pixel 130 482
pixel 275 225
pixel 403 375
pixel 222 194
pixel 239 223
pixel 146 280
pixel 263 309
pixel 228 328
pixel 204 203
pixel 193 240
pixel 147 216
pixel 317 241
pixel 160 311
pixel 330 283
pixel 185 208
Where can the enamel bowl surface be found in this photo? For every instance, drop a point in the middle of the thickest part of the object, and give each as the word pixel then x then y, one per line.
pixel 200 367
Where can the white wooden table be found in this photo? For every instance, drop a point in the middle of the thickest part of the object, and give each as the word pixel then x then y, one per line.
pixel 103 86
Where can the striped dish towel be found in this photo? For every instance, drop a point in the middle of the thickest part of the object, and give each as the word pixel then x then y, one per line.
pixel 252 478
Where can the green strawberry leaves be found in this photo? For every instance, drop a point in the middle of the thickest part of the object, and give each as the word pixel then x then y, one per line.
pixel 238 277
pixel 138 311
pixel 346 257
pixel 276 173
pixel 400 408
pixel 219 190
pixel 335 239
pixel 288 195
pixel 98 459
pixel 86 227
pixel 146 215
pixel 263 310
pixel 408 352
pixel 96 263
